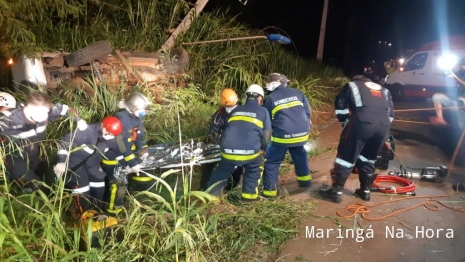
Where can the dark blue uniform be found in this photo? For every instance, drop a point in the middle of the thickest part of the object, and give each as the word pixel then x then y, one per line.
pixel 372 112
pixel 290 113
pixel 21 165
pixel 132 139
pixel 218 123
pixel 84 151
pixel 241 144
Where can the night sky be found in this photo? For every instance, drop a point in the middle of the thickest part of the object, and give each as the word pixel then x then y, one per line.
pixel 406 24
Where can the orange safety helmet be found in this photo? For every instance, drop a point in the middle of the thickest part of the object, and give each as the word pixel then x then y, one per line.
pixel 113 125
pixel 228 97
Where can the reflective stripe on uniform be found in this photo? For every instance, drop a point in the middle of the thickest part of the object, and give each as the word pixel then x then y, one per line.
pixel 80 190
pixel 286 105
pixel 386 93
pixel 364 159
pixel 97 184
pixel 240 157
pixel 64 110
pixel 356 94
pixel 133 147
pixel 130 139
pixel 119 158
pixel 87 149
pixel 142 178
pixel 130 157
pixel 290 140
pixel 62 152
pixel 26 134
pixel 342 112
pixel 247 119
pixel 41 129
pixel 110 162
pixel 304 178
pixel 344 163
pixel 270 193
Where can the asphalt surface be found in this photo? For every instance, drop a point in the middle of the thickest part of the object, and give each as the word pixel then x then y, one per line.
pixel 396 238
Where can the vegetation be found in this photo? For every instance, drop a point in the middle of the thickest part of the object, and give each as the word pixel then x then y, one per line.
pixel 173 223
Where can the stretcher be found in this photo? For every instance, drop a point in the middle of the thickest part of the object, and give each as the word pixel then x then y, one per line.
pixel 174 155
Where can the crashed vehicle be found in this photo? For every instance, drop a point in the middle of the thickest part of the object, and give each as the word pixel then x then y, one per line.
pixel 54 69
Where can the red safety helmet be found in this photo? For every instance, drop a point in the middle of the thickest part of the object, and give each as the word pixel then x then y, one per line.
pixel 113 125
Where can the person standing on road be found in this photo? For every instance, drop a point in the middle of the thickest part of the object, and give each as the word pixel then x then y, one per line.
pixel 131 140
pixel 290 120
pixel 365 110
pixel 452 100
pixel 228 99
pixel 245 136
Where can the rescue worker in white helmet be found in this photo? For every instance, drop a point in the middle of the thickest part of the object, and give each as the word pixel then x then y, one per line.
pixel 245 136
pixel 79 156
pixel 7 101
pixel 129 143
pixel 228 99
pixel 25 126
pixel 365 110
pixel 290 120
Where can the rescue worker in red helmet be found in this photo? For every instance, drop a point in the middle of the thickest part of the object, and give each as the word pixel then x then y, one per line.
pixel 25 126
pixel 290 119
pixel 228 99
pixel 79 156
pixel 129 143
pixel 7 101
pixel 365 110
pixel 245 136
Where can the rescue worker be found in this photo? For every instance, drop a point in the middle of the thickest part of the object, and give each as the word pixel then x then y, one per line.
pixel 79 156
pixel 245 136
pixel 129 142
pixel 365 110
pixel 228 99
pixel 26 126
pixel 7 101
pixel 290 120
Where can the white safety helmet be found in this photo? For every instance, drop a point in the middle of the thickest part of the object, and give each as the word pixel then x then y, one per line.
pixel 255 89
pixel 7 100
pixel 274 80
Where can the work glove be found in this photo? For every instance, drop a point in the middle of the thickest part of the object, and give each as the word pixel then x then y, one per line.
pixel 144 154
pixel 59 169
pixel 82 125
pixel 135 169
pixel 128 170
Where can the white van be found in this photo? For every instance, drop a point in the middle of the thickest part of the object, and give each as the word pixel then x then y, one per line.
pixel 425 73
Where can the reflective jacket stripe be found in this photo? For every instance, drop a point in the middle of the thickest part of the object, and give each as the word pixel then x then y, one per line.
pixel 356 94
pixel 290 140
pixel 342 112
pixel 80 190
pixel 247 119
pixel 386 93
pixel 344 163
pixel 240 157
pixel 364 159
pixel 286 105
pixel 97 184
pixel 64 110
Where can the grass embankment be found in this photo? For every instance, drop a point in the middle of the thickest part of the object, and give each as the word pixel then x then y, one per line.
pixel 172 223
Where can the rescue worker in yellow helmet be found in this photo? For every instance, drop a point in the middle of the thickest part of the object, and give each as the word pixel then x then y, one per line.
pixel 228 99
pixel 245 136
pixel 130 141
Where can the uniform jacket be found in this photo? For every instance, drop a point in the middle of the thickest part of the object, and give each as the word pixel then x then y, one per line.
pixel 87 145
pixel 218 121
pixel 366 102
pixel 290 116
pixel 242 137
pixel 133 127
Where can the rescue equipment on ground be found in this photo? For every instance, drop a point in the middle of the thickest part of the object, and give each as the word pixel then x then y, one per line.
pixel 172 155
pixel 94 227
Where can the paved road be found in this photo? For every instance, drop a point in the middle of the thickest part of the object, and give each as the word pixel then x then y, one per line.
pixel 418 145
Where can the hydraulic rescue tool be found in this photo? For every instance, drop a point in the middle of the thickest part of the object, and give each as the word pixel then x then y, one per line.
pixel 432 174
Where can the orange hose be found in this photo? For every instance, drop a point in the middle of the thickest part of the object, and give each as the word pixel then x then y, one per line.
pixel 407 184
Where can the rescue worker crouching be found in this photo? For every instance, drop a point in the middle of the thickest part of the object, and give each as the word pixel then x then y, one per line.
pixel 290 120
pixel 246 135
pixel 371 113
pixel 228 99
pixel 79 157
pixel 128 143
pixel 25 126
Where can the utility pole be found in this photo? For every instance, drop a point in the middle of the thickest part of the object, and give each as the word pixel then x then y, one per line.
pixel 321 42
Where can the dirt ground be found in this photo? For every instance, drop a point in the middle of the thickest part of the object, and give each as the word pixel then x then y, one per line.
pixel 395 238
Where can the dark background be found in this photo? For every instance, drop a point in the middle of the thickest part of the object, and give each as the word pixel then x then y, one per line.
pixel 354 27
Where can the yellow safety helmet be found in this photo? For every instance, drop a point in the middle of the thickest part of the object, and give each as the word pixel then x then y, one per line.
pixel 228 97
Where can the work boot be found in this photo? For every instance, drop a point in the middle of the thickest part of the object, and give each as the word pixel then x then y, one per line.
pixel 363 194
pixel 332 193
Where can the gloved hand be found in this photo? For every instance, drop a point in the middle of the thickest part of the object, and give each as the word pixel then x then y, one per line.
pixel 59 169
pixel 128 169
pixel 136 169
pixel 144 154
pixel 82 125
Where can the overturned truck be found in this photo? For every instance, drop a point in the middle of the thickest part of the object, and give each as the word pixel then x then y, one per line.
pixel 51 70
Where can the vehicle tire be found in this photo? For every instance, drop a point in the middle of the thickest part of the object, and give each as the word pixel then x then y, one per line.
pixel 397 92
pixel 89 53
pixel 179 58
